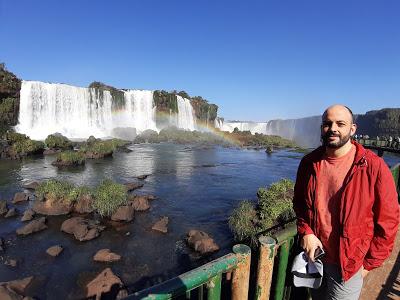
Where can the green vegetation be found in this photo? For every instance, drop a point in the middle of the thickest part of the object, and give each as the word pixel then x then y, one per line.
pixel 274 207
pixel 108 197
pixel 165 101
pixel 117 96
pixel 58 141
pixel 22 145
pixel 96 148
pixel 384 122
pixel 61 191
pixel 70 158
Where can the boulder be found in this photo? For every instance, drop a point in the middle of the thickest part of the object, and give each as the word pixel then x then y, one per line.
pixel 142 177
pixel 11 213
pixel 31 185
pixel 124 213
pixel 82 229
pixel 140 203
pixel 16 286
pixel 201 242
pixel 105 255
pixel 20 197
pixel 33 226
pixel 6 293
pixel 28 215
pixel 84 205
pixel 130 186
pixel 3 207
pixel 54 250
pixel 106 283
pixel 161 225
pixel 51 207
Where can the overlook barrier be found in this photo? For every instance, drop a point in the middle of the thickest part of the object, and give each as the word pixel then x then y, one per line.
pixel 275 255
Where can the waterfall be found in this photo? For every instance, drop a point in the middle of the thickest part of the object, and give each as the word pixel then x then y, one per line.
pixel 185 114
pixel 75 112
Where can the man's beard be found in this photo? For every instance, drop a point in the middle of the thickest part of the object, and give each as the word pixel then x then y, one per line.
pixel 334 144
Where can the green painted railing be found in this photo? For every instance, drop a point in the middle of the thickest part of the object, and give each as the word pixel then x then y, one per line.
pixel 275 253
pixel 396 175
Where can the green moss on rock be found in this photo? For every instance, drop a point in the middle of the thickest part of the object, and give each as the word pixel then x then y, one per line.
pixel 58 141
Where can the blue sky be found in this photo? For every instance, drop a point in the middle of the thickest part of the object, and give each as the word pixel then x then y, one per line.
pixel 257 60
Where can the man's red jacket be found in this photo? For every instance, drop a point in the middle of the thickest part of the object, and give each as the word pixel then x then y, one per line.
pixel 369 209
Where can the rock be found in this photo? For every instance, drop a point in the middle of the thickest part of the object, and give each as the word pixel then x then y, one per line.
pixel 82 229
pixel 3 207
pixel 17 286
pixel 161 225
pixel 11 262
pixel 84 205
pixel 150 197
pixel 140 203
pixel 20 197
pixel 105 283
pixel 33 226
pixel 54 250
pixel 124 213
pixel 133 186
pixel 105 255
pixel 142 177
pixel 7 293
pixel 28 215
pixel 11 213
pixel 201 242
pixel 31 185
pixel 51 207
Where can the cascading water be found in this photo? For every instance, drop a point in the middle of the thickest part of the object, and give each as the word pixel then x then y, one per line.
pixel 75 112
pixel 46 108
pixel 185 114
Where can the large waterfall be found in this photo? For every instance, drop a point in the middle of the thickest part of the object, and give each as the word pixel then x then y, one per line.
pixel 185 114
pixel 76 112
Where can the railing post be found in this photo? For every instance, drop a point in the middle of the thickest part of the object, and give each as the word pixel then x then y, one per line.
pixel 265 267
pixel 241 275
pixel 284 251
pixel 214 288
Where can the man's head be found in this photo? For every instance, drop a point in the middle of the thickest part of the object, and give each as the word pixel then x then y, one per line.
pixel 337 126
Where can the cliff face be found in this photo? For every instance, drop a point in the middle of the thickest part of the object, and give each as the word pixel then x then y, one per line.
pixel 384 122
pixel 10 86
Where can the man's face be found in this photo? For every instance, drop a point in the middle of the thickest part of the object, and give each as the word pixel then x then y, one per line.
pixel 337 127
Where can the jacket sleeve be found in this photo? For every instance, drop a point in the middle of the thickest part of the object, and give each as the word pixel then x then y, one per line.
pixel 299 201
pixel 386 219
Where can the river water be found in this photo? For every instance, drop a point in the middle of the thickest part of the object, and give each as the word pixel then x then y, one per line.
pixel 197 187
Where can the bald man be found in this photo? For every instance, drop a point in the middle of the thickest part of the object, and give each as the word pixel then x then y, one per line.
pixel 346 203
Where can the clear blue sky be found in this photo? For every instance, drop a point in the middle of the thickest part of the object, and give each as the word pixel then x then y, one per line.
pixel 257 60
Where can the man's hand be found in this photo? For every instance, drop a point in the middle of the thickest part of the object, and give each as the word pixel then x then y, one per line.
pixel 310 243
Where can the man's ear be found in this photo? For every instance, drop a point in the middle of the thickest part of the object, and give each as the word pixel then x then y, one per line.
pixel 353 129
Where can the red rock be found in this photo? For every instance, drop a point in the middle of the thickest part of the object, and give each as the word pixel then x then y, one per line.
pixel 133 186
pixel 7 293
pixel 161 225
pixel 84 205
pixel 33 226
pixel 19 286
pixel 105 255
pixel 52 207
pixel 28 215
pixel 11 213
pixel 54 250
pixel 3 207
pixel 20 197
pixel 31 185
pixel 140 203
pixel 82 229
pixel 105 282
pixel 124 213
pixel 201 242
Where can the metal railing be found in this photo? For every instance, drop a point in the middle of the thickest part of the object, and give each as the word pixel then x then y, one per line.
pixel 274 256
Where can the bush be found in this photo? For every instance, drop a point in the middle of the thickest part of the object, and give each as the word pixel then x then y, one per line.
pixel 13 137
pixel 71 158
pixel 28 146
pixel 274 207
pixel 243 222
pixel 58 141
pixel 102 148
pixel 108 197
pixel 55 190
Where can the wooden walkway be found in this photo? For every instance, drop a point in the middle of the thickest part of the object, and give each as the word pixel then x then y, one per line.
pixel 384 282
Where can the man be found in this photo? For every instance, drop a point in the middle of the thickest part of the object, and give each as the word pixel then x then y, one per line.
pixel 346 203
